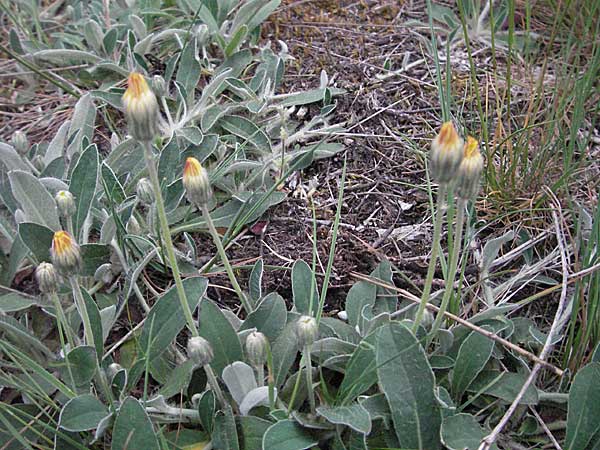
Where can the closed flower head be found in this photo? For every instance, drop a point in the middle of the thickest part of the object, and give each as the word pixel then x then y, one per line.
pixel 141 108
pixel 306 330
pixel 196 182
pixel 470 170
pixel 65 253
pixel 65 202
pixel 47 278
pixel 200 351
pixel 446 154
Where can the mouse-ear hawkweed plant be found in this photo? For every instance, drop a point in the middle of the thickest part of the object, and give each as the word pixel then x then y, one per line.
pixel 445 157
pixel 141 111
pixel 467 185
pixel 199 192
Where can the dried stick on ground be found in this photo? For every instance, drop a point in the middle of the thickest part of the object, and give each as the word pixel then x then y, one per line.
pixel 407 295
pixel 557 324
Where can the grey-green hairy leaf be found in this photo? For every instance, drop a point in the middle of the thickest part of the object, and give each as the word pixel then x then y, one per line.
pixel 133 428
pixel 35 200
pixel 82 413
pixel 408 382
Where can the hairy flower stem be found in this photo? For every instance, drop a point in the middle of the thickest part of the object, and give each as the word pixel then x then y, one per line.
pixel 437 232
pixel 214 384
pixel 81 308
pixel 460 220
pixel 217 240
pixel 166 237
pixel 63 324
pixel 309 380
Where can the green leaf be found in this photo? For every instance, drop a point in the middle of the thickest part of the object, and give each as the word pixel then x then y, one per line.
pixel 284 350
pixel 82 413
pixel 504 385
pixel 11 159
pixel 361 370
pixel 84 179
pixel 269 318
pixel 255 281
pixel 408 382
pixel 235 41
pixel 186 439
pixel 35 200
pixel 38 239
pixel 188 73
pixel 165 319
pixel 178 380
pixel 303 279
pixel 93 256
pixel 82 123
pixel 56 148
pixel 12 302
pixel 248 131
pixel 225 433
pixel 354 416
pixel 360 295
pixel 287 435
pixel 216 329
pixel 21 336
pixel 95 321
pixel 252 429
pixel 82 363
pixel 583 427
pixel 133 428
pixel 473 355
pixel 206 410
pixel 462 432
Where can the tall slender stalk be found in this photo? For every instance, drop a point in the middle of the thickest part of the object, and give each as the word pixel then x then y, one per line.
pixel 437 232
pixel 460 220
pixel 217 240
pixel 308 364
pixel 81 307
pixel 166 236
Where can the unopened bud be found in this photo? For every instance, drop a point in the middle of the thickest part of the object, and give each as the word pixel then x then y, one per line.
pixel 47 278
pixel 469 171
pixel 133 226
pixel 196 182
pixel 141 108
pixel 65 203
pixel 38 163
pixel 20 216
pixel 446 154
pixel 159 85
pixel 200 351
pixel 104 273
pixel 20 142
pixel 256 348
pixel 112 370
pixel 145 191
pixel 66 255
pixel 306 330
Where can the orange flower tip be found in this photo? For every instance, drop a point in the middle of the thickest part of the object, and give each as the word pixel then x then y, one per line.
pixel 471 147
pixel 62 242
pixel 448 135
pixel 192 167
pixel 136 85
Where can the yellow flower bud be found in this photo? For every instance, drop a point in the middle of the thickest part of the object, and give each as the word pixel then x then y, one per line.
pixel 65 253
pixel 65 203
pixel 469 170
pixel 196 182
pixel 47 278
pixel 141 108
pixel 446 154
